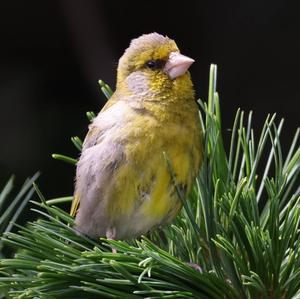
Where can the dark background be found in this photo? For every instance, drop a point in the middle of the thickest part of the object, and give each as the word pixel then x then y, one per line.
pixel 53 53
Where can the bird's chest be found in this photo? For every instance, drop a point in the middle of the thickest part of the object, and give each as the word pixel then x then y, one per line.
pixel 154 138
pixel 149 137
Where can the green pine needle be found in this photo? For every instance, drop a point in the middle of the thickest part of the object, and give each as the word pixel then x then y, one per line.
pixel 11 208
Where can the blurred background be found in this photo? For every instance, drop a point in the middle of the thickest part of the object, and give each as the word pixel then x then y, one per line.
pixel 53 53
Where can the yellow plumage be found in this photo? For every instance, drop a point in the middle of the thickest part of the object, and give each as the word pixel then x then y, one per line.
pixel 122 182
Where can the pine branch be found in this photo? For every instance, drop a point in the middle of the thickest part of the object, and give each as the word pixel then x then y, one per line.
pixel 241 226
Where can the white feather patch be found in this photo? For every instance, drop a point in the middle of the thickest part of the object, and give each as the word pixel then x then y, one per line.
pixel 137 83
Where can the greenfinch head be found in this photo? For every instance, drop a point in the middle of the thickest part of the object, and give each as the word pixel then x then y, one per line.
pixel 153 54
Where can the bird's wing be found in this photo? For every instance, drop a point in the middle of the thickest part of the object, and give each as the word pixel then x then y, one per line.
pixel 106 118
pixel 91 139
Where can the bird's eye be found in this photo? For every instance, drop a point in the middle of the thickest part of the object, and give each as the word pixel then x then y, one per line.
pixel 151 64
pixel 155 64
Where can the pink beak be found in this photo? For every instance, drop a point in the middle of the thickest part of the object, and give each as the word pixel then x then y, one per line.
pixel 177 65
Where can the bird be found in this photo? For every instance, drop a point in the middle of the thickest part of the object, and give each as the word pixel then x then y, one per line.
pixel 124 187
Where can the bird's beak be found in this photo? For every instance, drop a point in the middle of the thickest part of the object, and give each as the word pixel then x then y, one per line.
pixel 177 64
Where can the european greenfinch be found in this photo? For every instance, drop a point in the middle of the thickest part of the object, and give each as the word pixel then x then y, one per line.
pixel 123 184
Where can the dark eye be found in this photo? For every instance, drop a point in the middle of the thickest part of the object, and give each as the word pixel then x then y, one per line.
pixel 155 64
pixel 151 64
